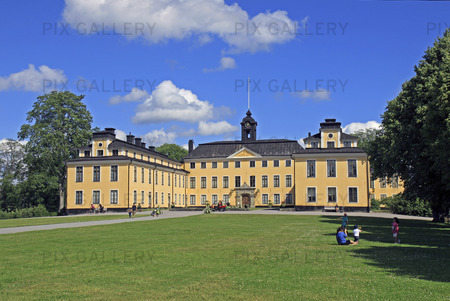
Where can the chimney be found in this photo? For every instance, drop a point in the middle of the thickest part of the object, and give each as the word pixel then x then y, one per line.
pixel 190 145
pixel 152 148
pixel 130 138
pixel 137 141
pixel 143 144
pixel 110 130
pixel 309 134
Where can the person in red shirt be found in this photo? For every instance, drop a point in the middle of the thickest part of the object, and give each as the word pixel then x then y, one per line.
pixel 395 230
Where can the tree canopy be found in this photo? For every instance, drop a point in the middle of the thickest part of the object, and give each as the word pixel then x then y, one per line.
pixel 173 151
pixel 415 136
pixel 58 125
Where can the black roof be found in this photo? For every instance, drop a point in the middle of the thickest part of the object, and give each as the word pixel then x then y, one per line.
pixel 330 150
pixel 344 136
pixel 223 149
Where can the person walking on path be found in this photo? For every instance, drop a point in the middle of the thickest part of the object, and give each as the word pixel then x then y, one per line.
pixel 395 230
pixel 133 208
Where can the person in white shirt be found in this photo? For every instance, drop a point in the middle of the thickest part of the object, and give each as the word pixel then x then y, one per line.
pixel 356 231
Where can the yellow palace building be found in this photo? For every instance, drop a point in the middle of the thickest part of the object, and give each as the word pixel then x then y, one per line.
pixel 331 171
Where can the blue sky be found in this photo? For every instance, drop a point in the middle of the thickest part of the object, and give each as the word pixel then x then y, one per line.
pixel 169 73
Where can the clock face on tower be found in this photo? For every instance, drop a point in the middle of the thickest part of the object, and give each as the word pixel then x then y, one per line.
pixel 247 124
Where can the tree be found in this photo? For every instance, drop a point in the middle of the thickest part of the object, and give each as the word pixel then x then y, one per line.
pixel 415 136
pixel 12 154
pixel 365 137
pixel 58 125
pixel 172 151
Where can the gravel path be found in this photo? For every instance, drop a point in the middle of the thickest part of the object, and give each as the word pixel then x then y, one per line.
pixel 177 214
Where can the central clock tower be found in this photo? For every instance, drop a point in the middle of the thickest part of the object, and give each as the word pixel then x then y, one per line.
pixel 248 126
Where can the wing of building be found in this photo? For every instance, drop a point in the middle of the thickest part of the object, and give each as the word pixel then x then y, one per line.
pixel 331 171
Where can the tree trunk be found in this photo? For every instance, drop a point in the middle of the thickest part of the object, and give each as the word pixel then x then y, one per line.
pixel 62 203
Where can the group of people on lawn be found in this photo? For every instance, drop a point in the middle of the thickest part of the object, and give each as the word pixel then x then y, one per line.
pixel 341 234
pixel 99 209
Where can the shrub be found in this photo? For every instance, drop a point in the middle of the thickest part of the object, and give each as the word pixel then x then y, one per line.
pixel 400 205
pixel 40 210
pixel 375 204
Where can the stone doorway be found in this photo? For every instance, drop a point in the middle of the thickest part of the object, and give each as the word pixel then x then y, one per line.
pixel 246 201
pixel 245 195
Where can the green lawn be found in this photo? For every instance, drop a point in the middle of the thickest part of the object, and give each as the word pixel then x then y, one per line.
pixel 227 257
pixel 35 221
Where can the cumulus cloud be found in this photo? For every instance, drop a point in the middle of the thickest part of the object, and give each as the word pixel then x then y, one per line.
pixel 170 103
pixel 357 126
pixel 159 21
pixel 135 95
pixel 317 95
pixel 159 137
pixel 225 63
pixel 121 135
pixel 206 128
pixel 32 79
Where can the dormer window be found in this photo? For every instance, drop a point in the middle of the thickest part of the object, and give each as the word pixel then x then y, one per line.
pixel 87 153
pixel 330 144
pixel 347 144
pixel 100 153
pixel 314 144
pixel 115 152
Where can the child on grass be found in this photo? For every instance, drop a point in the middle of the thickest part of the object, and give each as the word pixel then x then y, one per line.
pixel 356 231
pixel 395 230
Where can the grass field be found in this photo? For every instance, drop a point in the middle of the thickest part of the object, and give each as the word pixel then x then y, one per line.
pixel 36 221
pixel 227 257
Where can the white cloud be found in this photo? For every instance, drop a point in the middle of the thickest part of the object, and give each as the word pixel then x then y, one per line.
pixel 135 95
pixel 225 63
pixel 159 137
pixel 301 142
pixel 31 79
pixel 159 21
pixel 317 95
pixel 206 128
pixel 356 126
pixel 121 135
pixel 170 103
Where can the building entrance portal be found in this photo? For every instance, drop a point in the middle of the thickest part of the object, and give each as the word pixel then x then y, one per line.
pixel 245 195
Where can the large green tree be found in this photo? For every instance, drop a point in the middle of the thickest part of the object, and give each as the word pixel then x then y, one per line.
pixel 172 151
pixel 415 137
pixel 58 125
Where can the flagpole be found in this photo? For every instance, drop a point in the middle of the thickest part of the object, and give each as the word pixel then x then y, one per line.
pixel 248 91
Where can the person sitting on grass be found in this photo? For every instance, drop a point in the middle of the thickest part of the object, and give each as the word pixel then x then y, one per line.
pixel 341 236
pixel 92 208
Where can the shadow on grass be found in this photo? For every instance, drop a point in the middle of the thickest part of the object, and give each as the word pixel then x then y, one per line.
pixel 424 251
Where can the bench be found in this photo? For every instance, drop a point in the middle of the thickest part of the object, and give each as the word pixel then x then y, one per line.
pixel 330 208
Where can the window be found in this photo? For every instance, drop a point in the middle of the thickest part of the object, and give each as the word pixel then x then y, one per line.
pixel 347 144
pixel 225 164
pixel 225 182
pixel 276 163
pixel 156 177
pixel 288 181
pixel 276 199
pixel 114 197
pixel 203 165
pixel 371 196
pixel 311 197
pixel 192 182
pixel 252 163
pixel 265 199
pixel 353 194
pixel 135 174
pixel 332 195
pixel 288 199
pixel 226 198
pixel 311 168
pixel 175 180
pixel 100 153
pixel 330 144
pixel 149 176
pixel 96 197
pixel 192 165
pixel 162 177
pixel 115 152
pixel 156 198
pixel 142 197
pixel 288 163
pixel 135 197
pixel 149 198
pixel 214 199
pixel 142 175
pixel 383 183
pixel 264 163
pixel 192 200
pixel 162 198
pixel 351 167
pixel 203 182
pixel 168 198
pixel 175 198
pixel 331 168
pixel 168 179
pixel 142 156
pixel 394 183
pixel 252 181
pixel 87 153
pixel 314 144
pixel 126 152
pixel 276 181
pixel 213 164
pixel 383 196
pixel 265 181
pixel 237 164
pixel 96 174
pixel 372 184
pixel 203 200
pixel 79 197
pixel 214 182
pixel 114 173
pixel 79 174
pixel 237 181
